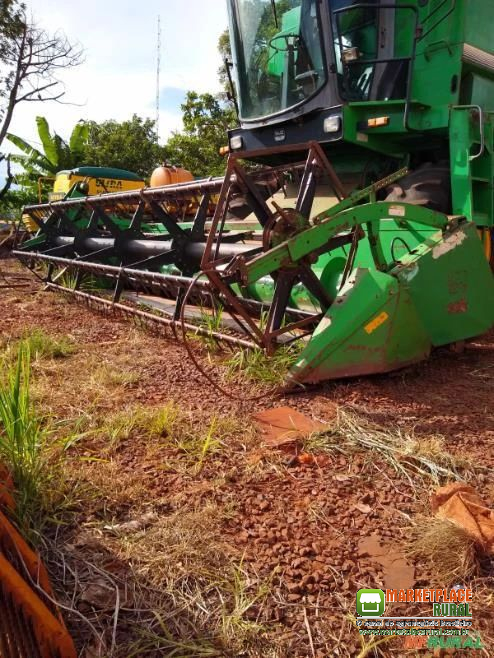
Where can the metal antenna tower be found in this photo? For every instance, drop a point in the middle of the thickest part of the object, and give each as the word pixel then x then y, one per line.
pixel 158 73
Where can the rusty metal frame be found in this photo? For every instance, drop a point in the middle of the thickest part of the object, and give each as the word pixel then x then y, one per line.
pixel 237 177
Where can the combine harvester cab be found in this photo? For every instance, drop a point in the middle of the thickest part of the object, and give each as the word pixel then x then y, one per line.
pixel 362 226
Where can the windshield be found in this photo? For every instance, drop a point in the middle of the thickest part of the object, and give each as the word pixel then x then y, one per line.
pixel 278 52
pixel 355 38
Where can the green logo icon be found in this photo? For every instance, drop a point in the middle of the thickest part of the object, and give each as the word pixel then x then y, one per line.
pixel 370 602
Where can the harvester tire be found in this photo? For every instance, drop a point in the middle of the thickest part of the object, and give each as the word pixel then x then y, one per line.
pixel 428 186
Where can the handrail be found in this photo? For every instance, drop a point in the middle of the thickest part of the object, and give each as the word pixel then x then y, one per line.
pixel 482 133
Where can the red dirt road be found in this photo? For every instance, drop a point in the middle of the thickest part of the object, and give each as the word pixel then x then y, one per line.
pixel 299 526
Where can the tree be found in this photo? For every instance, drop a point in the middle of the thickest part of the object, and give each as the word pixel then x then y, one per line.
pixel 206 122
pixel 57 154
pixel 10 26
pixel 14 201
pixel 31 61
pixel 131 145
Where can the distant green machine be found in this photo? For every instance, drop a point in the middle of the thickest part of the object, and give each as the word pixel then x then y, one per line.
pixel 365 227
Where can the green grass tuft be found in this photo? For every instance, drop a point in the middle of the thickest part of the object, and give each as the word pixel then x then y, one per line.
pixel 43 346
pixel 22 436
pixel 148 422
pixel 210 319
pixel 255 366
pixel 41 490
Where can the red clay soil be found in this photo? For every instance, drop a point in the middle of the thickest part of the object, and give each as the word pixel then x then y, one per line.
pixel 305 523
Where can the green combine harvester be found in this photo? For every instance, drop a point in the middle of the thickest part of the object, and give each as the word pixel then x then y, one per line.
pixel 357 207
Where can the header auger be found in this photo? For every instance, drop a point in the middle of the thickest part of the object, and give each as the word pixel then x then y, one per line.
pixel 357 207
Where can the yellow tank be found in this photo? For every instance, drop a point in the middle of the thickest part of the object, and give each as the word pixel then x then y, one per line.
pixel 99 180
pixel 166 175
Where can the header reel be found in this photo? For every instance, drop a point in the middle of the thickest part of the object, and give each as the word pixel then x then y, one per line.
pixel 342 280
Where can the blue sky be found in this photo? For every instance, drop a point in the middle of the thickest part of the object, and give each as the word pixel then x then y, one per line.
pixel 118 77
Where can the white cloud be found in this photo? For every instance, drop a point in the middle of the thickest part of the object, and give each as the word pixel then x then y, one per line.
pixel 118 77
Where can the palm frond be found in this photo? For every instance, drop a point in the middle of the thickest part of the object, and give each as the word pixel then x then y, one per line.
pixel 24 146
pixel 79 138
pixel 49 142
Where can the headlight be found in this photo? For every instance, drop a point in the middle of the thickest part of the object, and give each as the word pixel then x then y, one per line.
pixel 332 124
pixel 236 142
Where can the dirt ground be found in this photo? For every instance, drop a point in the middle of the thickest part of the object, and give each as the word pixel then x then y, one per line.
pixel 291 533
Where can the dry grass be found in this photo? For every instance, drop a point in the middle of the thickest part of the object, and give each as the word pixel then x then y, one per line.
pixel 109 490
pixel 447 551
pixel 158 440
pixel 109 376
pixel 416 458
pixel 174 588
pixel 483 589
pixel 179 552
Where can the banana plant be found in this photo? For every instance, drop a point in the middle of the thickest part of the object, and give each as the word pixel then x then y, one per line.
pixel 56 155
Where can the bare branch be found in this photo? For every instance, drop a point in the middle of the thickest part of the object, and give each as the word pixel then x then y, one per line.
pixel 38 91
pixel 32 62
pixel 45 98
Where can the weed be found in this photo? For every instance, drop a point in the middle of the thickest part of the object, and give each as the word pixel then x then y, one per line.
pixel 212 319
pixel 255 365
pixel 208 322
pixel 40 490
pixel 22 437
pixel 43 346
pixel 71 280
pixel 198 446
pixel 246 596
pixel 168 425
pixel 209 444
pixel 159 637
pixel 146 421
pixel 369 647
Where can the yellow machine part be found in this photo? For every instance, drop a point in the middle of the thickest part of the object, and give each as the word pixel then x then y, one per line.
pixel 30 622
pixel 64 181
pixel 29 223
pixel 485 235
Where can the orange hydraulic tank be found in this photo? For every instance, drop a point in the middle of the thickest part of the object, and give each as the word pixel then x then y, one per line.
pixel 166 175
